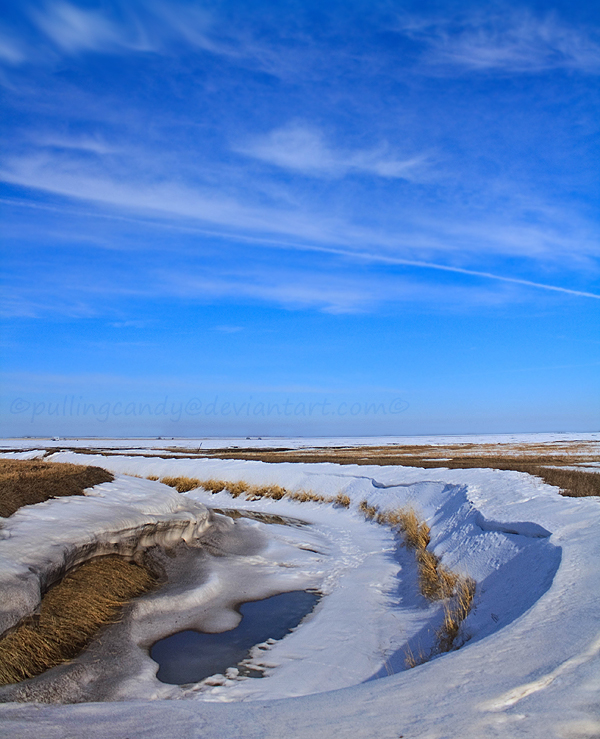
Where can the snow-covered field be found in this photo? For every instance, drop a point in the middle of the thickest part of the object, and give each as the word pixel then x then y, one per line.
pixel 529 664
pixel 291 442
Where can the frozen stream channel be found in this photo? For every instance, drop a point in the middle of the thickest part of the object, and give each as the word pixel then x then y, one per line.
pixel 190 656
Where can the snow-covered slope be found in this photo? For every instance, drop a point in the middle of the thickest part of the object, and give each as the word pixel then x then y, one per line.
pixel 530 664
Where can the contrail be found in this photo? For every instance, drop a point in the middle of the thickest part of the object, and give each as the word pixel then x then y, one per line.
pixel 323 249
pixel 472 272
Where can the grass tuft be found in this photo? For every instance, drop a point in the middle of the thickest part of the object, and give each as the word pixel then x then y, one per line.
pixel 275 492
pixel 369 511
pixel 236 489
pixel 214 486
pixel 413 660
pixel 307 496
pixel 436 582
pixel 181 484
pixel 251 492
pixel 455 612
pixel 343 500
pixel 71 613
pixel 415 533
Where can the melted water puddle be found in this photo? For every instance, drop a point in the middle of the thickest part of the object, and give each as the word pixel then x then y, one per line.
pixel 190 656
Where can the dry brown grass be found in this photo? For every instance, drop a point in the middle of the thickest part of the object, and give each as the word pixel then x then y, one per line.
pixel 456 609
pixel 369 511
pixel 414 531
pixel 413 660
pixel 71 613
pixel 251 492
pixel 25 482
pixel 182 484
pixel 275 492
pixel 455 612
pixel 342 500
pixel 534 458
pixel 436 582
pixel 235 488
pixel 572 483
pixel 216 486
pixel 307 496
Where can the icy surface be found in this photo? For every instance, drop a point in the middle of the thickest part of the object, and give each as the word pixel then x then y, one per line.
pixel 529 667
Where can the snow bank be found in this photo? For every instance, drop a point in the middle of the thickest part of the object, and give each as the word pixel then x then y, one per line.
pixel 530 663
pixel 39 543
pixel 33 454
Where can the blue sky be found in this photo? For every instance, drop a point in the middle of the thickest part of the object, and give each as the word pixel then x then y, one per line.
pixel 299 218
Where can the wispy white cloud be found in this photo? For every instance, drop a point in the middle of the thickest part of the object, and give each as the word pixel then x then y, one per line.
pixel 75 29
pixel 228 329
pixel 335 292
pixel 86 143
pixel 513 42
pixel 288 288
pixel 162 198
pixel 479 273
pixel 131 324
pixel 164 27
pixel 144 27
pixel 11 51
pixel 443 244
pixel 144 185
pixel 194 25
pixel 302 148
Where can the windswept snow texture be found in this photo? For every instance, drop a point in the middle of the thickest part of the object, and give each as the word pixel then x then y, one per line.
pixel 529 664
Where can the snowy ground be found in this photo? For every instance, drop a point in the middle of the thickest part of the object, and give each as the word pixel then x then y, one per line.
pixel 529 665
pixel 291 442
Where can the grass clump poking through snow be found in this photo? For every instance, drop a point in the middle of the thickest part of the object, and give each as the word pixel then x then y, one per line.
pixel 414 532
pixel 455 611
pixel 182 484
pixel 275 492
pixel 251 492
pixel 70 615
pixel 436 582
pixel 369 511
pixel 343 500
pixel 307 496
pixel 25 482
pixel 214 486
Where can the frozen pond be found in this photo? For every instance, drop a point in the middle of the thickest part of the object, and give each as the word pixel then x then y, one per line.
pixel 190 656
